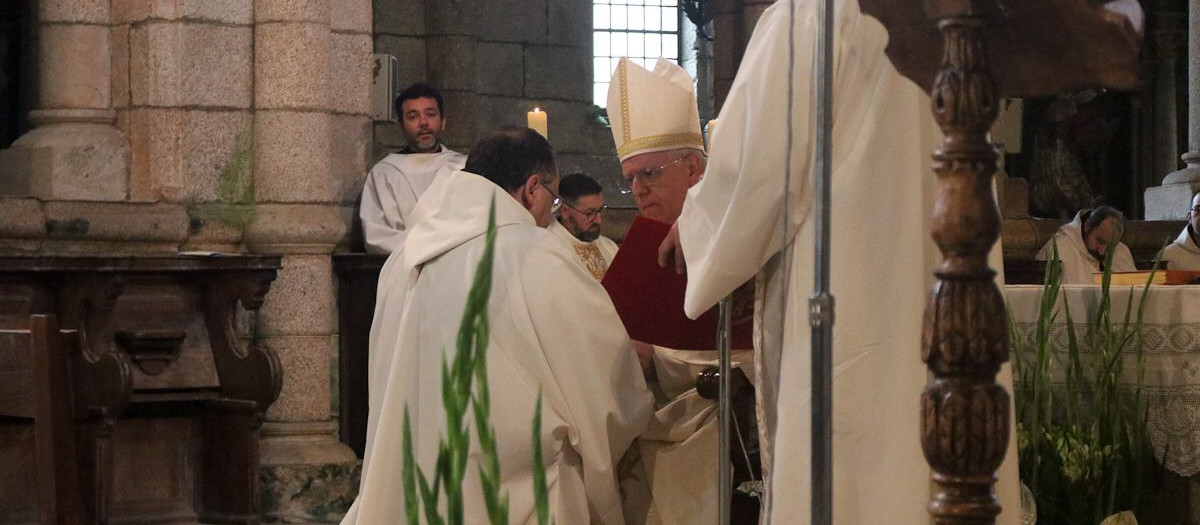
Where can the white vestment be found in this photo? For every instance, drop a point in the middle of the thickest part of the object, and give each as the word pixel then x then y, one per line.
pixel 675 481
pixel 543 313
pixel 392 189
pixel 1182 254
pixel 881 261
pixel 1078 264
pixel 595 256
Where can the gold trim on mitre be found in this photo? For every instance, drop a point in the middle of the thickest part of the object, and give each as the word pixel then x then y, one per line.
pixel 661 143
pixel 624 83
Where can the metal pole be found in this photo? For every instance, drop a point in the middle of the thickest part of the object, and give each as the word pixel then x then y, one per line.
pixel 725 469
pixel 821 304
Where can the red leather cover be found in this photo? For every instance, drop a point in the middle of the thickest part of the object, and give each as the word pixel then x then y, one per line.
pixel 649 298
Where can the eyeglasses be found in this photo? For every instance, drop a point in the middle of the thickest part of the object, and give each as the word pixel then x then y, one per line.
pixel 649 176
pixel 557 202
pixel 591 215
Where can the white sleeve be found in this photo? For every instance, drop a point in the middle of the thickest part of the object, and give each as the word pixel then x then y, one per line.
pixel 731 220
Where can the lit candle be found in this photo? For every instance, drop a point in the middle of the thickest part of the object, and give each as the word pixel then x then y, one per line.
pixel 537 121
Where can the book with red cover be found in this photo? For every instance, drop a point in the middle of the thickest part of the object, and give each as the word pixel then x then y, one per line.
pixel 649 298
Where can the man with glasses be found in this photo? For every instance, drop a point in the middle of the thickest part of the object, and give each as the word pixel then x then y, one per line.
pixel 542 346
pixel 656 128
pixel 1184 253
pixel 578 223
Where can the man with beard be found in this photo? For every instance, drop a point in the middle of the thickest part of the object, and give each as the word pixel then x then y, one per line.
pixel 396 182
pixel 1184 252
pixel 579 220
pixel 1083 243
pixel 389 198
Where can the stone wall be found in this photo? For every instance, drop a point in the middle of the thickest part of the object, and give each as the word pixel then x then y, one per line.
pixel 496 60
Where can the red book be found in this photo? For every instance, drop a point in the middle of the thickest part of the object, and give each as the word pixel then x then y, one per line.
pixel 649 298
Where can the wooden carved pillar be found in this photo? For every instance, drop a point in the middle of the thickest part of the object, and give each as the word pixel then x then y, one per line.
pixel 964 420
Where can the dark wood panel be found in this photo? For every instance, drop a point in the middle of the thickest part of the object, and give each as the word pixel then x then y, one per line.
pixel 358 279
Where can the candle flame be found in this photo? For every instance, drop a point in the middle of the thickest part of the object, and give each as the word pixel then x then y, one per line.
pixel 537 110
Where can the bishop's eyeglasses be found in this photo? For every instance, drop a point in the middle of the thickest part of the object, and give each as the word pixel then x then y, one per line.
pixel 649 176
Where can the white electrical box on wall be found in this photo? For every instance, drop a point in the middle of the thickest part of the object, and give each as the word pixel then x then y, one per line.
pixel 383 87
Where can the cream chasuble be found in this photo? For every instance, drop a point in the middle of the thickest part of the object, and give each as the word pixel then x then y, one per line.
pixel 391 191
pixel 543 311
pixel 1183 254
pixel 1078 265
pixel 882 261
pixel 595 256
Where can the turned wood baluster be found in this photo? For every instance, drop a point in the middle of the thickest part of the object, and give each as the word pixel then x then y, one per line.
pixel 964 420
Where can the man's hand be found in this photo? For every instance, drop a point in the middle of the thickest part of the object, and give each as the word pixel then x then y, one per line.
pixel 670 252
pixel 645 353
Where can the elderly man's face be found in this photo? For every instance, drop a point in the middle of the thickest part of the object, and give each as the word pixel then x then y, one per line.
pixel 1097 239
pixel 583 217
pixel 659 182
pixel 422 124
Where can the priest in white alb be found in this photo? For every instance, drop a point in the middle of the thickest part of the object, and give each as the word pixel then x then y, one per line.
pixel 732 228
pixel 578 222
pixel 1184 253
pixel 543 310
pixel 1083 245
pixel 390 194
pixel 395 183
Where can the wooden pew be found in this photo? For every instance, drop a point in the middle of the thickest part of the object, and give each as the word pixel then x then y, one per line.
pixel 45 378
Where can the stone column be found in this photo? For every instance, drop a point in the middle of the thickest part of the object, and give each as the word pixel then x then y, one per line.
pixel 74 151
pixel 306 471
pixel 1171 200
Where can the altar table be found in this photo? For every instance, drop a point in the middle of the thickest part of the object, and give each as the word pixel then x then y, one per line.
pixel 1171 335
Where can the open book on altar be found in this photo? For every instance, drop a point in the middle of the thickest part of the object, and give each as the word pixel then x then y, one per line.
pixel 649 298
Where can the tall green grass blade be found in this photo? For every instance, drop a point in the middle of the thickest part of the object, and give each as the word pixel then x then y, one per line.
pixel 541 496
pixel 412 507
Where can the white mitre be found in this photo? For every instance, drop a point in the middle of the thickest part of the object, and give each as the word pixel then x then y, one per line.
pixel 653 110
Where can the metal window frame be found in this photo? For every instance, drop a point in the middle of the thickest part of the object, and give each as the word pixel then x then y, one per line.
pixel 678 32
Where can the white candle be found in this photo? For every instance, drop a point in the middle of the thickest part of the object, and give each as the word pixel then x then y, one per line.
pixel 537 121
pixel 712 127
